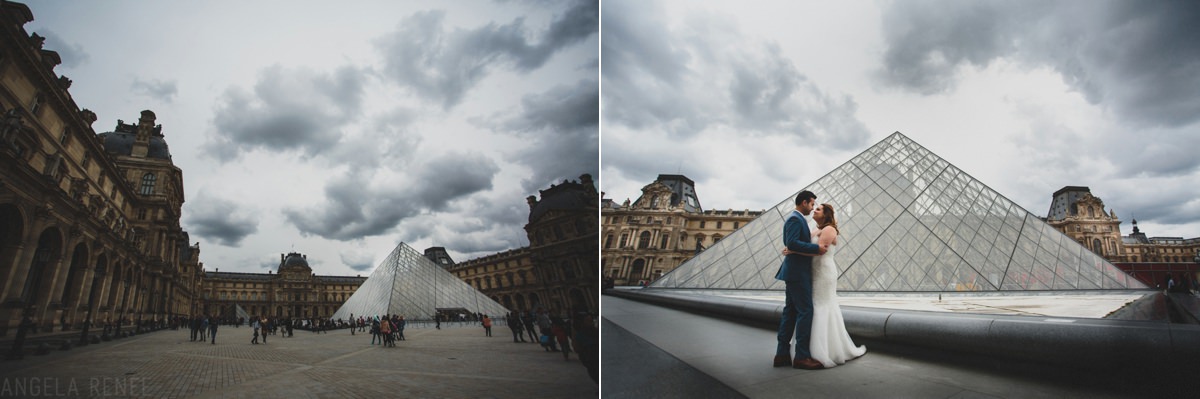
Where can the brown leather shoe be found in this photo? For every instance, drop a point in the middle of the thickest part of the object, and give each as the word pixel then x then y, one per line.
pixel 807 364
pixel 782 360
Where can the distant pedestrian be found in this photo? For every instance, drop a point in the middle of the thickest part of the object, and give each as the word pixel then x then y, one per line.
pixel 212 331
pixel 255 325
pixel 375 331
pixel 203 328
pixel 385 330
pixel 527 321
pixel 400 328
pixel 487 325
pixel 514 324
pixel 437 320
pixel 559 331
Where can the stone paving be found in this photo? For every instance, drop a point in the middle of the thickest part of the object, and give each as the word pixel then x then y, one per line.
pixel 454 362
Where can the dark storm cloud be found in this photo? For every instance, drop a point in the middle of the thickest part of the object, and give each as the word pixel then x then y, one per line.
pixel 706 75
pixel 354 209
pixel 443 66
pixel 561 126
pixel 357 263
pixel 219 220
pixel 288 110
pixel 453 176
pixel 1136 58
pixel 156 89
pixel 72 55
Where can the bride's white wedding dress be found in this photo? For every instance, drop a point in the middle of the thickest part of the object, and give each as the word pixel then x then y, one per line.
pixel 830 344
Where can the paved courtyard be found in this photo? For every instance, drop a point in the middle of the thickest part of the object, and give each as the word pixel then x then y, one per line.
pixel 454 362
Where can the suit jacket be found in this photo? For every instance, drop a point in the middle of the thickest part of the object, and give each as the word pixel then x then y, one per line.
pixel 798 238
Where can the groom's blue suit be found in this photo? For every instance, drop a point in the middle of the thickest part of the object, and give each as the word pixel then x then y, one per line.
pixel 796 272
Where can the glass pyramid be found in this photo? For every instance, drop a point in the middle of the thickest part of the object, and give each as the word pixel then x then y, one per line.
pixel 409 284
pixel 910 222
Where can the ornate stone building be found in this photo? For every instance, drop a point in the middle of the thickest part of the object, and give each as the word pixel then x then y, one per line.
pixel 1081 216
pixel 293 291
pixel 506 277
pixel 666 226
pixel 558 271
pixel 89 224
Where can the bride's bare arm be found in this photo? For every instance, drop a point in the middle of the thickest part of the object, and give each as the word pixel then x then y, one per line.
pixel 828 236
pixel 790 252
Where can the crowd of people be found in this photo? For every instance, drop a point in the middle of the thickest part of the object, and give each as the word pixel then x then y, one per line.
pixel 554 334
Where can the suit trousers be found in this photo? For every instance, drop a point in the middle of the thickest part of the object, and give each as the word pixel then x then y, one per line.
pixel 796 319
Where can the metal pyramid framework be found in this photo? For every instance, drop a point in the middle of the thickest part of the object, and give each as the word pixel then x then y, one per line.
pixel 910 222
pixel 409 284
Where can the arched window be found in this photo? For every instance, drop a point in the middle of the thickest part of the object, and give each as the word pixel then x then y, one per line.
pixel 644 240
pixel 608 241
pixel 635 273
pixel 148 180
pixel 664 242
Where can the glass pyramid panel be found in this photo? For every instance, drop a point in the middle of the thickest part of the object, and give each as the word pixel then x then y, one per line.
pixel 409 284
pixel 910 221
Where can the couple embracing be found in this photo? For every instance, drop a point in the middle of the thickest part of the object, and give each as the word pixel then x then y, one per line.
pixel 812 313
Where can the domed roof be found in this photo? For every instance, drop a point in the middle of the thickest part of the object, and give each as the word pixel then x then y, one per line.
pixel 120 140
pixel 569 195
pixel 121 143
pixel 295 260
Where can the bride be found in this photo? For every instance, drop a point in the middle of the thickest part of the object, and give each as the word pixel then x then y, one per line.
pixel 830 343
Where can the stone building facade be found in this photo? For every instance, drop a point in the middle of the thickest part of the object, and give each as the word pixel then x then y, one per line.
pixel 291 291
pixel 506 277
pixel 558 271
pixel 1081 216
pixel 666 226
pixel 89 223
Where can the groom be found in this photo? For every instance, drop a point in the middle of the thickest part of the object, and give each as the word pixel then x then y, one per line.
pixel 796 272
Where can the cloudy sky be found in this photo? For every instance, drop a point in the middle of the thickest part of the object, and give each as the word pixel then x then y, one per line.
pixel 754 100
pixel 339 130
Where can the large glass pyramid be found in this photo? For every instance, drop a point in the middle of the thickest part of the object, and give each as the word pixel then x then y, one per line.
pixel 910 222
pixel 409 284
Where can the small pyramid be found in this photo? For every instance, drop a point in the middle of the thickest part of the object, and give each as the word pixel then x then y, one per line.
pixel 910 222
pixel 409 284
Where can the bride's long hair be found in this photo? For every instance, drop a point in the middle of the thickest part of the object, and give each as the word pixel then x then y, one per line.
pixel 827 218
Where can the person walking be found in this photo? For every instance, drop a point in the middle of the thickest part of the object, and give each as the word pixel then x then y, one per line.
pixel 487 325
pixel 527 322
pixel 514 324
pixel 385 330
pixel 212 331
pixel 559 330
pixel 400 324
pixel 255 325
pixel 203 328
pixel 375 331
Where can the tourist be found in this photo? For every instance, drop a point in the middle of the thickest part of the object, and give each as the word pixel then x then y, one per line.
pixel 400 328
pixel 255 325
pixel 487 325
pixel 212 330
pixel 385 330
pixel 375 331
pixel 514 324
pixel 527 321
pixel 559 332
pixel 586 342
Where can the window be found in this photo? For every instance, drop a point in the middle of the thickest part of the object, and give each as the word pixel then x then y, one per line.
pixel 664 242
pixel 608 241
pixel 644 240
pixel 63 139
pixel 735 225
pixel 702 224
pixel 668 220
pixel 719 224
pixel 36 105
pixel 624 240
pixel 148 183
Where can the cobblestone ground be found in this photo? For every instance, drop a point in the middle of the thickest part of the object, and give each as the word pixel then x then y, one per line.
pixel 454 362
